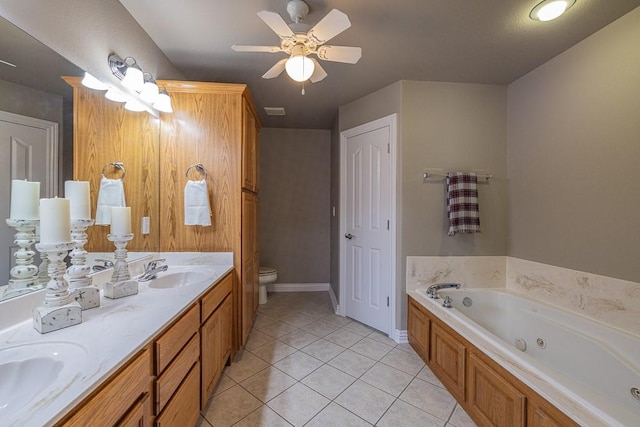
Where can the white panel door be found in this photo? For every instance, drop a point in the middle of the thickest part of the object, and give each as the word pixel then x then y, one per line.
pixel 28 150
pixel 368 239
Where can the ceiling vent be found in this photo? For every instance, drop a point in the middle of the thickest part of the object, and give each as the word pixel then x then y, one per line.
pixel 274 111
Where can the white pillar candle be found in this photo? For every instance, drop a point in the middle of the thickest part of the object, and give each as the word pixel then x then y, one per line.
pixel 120 221
pixel 25 196
pixel 55 222
pixel 78 194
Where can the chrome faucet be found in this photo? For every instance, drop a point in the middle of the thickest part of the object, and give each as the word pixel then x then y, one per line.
pixel 102 264
pixel 152 269
pixel 432 291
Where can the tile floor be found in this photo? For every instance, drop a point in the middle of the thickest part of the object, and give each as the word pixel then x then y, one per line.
pixel 305 366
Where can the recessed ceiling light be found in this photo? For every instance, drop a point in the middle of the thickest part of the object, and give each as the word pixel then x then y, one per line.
pixel 550 9
pixel 274 111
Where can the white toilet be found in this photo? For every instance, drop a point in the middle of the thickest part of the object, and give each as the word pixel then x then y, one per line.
pixel 267 276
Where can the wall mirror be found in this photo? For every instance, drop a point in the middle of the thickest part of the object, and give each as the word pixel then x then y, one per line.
pixel 34 88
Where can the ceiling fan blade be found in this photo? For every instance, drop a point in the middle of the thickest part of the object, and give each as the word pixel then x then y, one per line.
pixel 318 72
pixel 347 54
pixel 276 23
pixel 276 70
pixel 248 48
pixel 330 26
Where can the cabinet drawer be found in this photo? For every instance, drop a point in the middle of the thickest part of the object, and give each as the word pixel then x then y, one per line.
pixel 172 341
pixel 139 415
pixel 184 408
pixel 171 378
pixel 215 296
pixel 117 397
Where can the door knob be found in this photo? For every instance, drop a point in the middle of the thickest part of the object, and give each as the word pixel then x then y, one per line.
pixel 349 236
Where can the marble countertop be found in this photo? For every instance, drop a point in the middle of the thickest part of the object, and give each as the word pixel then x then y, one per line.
pixel 109 335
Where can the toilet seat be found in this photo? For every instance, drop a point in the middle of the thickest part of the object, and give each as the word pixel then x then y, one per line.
pixel 263 271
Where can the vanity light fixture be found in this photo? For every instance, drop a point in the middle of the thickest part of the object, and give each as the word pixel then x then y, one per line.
pixel 137 82
pixel 548 10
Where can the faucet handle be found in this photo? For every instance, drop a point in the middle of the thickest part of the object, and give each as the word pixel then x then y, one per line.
pixel 105 262
pixel 153 264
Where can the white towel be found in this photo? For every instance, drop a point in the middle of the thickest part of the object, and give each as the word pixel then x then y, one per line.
pixel 197 210
pixel 110 194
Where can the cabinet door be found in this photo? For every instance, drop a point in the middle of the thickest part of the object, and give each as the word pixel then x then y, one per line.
pixel 210 338
pixel 226 327
pixel 542 414
pixel 418 324
pixel 249 149
pixel 139 415
pixel 448 360
pixel 249 268
pixel 492 400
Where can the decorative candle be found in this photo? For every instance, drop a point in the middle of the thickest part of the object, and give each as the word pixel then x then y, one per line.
pixel 78 194
pixel 55 224
pixel 25 196
pixel 120 221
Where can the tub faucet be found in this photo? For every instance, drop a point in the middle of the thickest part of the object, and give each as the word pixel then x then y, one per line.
pixel 152 269
pixel 432 291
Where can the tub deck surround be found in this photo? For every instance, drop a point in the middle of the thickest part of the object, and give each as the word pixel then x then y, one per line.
pixel 131 323
pixel 555 387
pixel 612 301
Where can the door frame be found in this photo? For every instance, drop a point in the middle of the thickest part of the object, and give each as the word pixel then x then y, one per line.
pixel 389 121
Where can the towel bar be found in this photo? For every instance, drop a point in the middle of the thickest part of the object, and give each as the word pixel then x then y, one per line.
pixel 434 176
pixel 200 168
pixel 117 165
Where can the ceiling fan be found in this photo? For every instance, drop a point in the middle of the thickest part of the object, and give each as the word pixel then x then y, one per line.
pixel 299 42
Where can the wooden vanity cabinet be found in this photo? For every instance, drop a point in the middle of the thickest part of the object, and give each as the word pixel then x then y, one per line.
pixel 123 400
pixel 177 371
pixel 489 393
pixel 216 335
pixel 214 124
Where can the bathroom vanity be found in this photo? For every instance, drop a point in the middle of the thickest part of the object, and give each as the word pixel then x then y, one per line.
pixel 147 359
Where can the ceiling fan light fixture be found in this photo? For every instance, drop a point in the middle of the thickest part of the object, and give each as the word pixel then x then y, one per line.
pixel 549 10
pixel 299 68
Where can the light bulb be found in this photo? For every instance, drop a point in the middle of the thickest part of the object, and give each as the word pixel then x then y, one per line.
pixel 133 78
pixel 115 95
pixel 92 83
pixel 550 9
pixel 299 68
pixel 163 103
pixel 150 92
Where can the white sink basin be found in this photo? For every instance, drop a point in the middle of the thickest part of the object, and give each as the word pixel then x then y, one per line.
pixel 180 278
pixel 32 371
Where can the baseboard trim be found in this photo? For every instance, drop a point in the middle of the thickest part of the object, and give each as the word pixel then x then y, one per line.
pixel 400 336
pixel 334 301
pixel 298 287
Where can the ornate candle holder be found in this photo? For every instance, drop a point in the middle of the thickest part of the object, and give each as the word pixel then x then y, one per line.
pixel 80 285
pixel 121 284
pixel 24 275
pixel 60 310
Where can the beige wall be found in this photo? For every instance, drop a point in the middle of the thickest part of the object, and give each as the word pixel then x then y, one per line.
pixel 294 203
pixel 574 156
pixel 452 127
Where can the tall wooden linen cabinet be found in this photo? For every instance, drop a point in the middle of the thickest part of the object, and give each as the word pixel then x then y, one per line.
pixel 213 124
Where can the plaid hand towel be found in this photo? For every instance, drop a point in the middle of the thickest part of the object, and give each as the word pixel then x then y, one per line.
pixel 462 203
